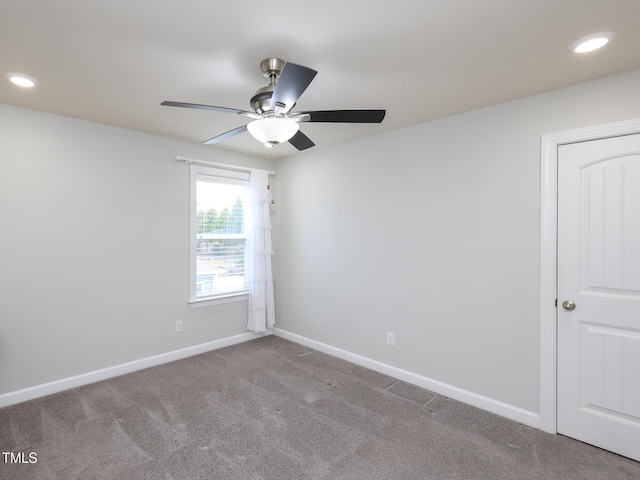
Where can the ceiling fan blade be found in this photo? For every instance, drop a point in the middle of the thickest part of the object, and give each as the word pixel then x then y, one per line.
pixel 198 106
pixel 345 116
pixel 293 81
pixel 225 136
pixel 301 141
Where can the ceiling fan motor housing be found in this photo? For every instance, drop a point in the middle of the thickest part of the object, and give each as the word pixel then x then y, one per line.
pixel 261 101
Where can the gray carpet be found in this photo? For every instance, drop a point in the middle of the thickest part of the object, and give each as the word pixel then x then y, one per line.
pixel 272 409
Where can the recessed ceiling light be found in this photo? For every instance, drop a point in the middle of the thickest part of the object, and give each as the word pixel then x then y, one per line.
pixel 22 80
pixel 591 42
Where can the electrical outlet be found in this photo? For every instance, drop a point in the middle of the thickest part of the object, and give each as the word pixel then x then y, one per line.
pixel 178 326
pixel 391 339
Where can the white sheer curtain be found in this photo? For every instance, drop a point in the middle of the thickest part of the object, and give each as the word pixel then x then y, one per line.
pixel 261 298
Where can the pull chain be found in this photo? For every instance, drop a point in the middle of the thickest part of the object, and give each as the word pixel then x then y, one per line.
pixel 270 169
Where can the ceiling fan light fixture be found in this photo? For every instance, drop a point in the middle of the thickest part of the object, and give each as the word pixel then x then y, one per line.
pixel 591 42
pixel 273 130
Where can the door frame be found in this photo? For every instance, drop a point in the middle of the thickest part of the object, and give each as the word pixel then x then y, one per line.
pixel 549 144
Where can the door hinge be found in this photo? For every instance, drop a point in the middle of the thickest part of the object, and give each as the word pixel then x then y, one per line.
pixel 556 303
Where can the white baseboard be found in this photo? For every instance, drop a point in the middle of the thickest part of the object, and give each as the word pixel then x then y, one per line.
pixel 37 391
pixel 494 406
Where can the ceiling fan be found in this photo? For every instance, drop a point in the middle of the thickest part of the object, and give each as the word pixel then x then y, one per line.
pixel 274 121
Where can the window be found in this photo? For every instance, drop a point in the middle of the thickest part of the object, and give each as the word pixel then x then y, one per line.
pixel 218 233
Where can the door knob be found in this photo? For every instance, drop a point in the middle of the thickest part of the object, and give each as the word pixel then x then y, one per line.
pixel 568 305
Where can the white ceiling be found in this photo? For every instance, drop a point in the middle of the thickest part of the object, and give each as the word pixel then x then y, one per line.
pixel 113 62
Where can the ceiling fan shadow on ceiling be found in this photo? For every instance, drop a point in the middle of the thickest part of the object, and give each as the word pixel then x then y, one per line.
pixel 274 122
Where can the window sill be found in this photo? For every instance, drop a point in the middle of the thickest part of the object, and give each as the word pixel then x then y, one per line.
pixel 212 301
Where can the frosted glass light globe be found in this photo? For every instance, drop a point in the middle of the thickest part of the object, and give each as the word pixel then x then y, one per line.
pixel 273 130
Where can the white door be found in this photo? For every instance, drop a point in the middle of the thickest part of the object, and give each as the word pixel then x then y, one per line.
pixel 599 271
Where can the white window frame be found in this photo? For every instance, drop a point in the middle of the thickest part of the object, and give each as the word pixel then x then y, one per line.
pixel 215 175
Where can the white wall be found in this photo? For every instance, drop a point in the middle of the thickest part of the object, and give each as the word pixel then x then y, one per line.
pixel 94 248
pixel 432 233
